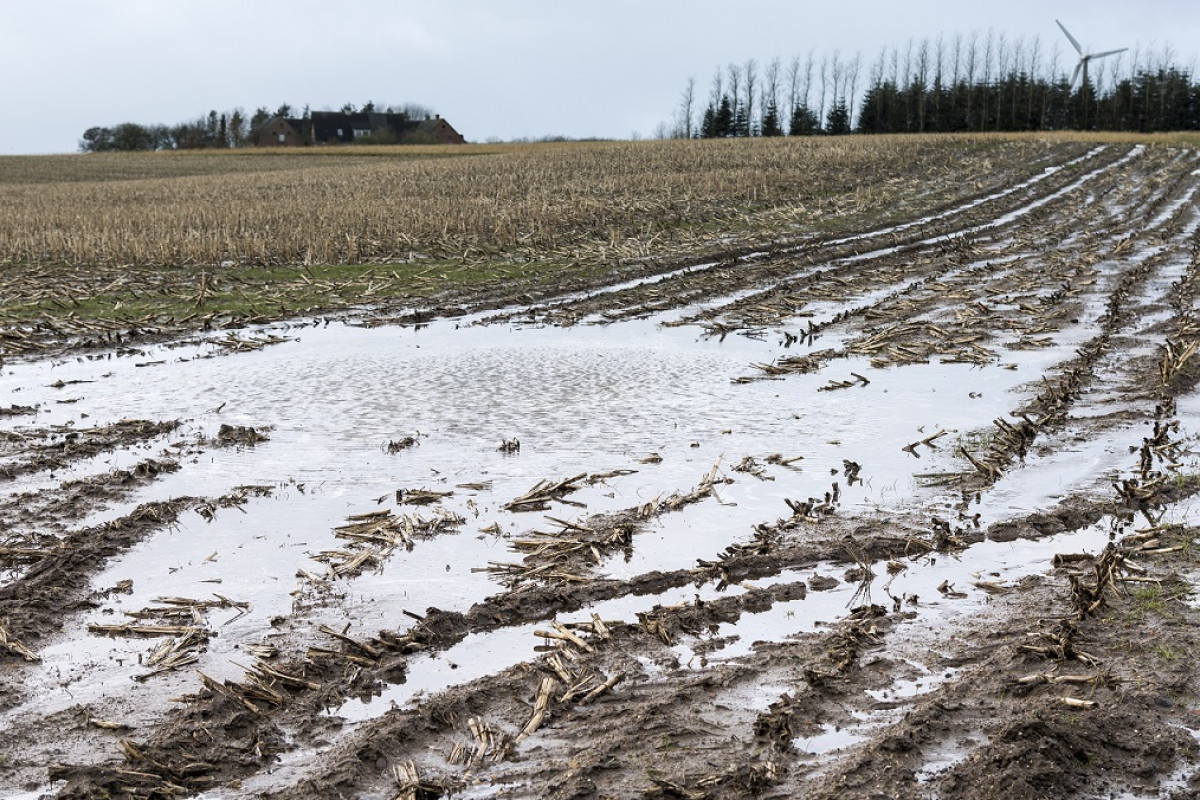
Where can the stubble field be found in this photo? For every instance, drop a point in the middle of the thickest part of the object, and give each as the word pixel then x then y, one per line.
pixel 830 468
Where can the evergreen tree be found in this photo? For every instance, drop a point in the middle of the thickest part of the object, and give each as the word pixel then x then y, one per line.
pixel 741 122
pixel 237 128
pixel 874 115
pixel 723 124
pixel 770 121
pixel 838 120
pixel 804 122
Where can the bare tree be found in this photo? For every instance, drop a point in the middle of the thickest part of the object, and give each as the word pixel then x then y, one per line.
pixel 1110 75
pixel 883 99
pixel 837 78
pixel 1018 57
pixel 735 84
pixel 1054 57
pixel 989 55
pixel 770 89
pixel 939 60
pixel 921 81
pixel 1035 67
pixel 906 83
pixel 824 75
pixel 922 63
pixel 879 67
pixel 956 65
pixel 1168 57
pixel 1167 63
pixel 806 87
pixel 835 75
pixel 939 79
pixel 686 101
pixel 852 73
pixel 1135 58
pixel 971 65
pixel 1003 70
pixel 956 57
pixel 751 70
pixel 793 79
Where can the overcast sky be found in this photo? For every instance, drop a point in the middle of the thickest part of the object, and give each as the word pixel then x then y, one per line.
pixel 501 69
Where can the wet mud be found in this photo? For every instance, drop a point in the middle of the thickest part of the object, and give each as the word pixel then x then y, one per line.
pixel 908 513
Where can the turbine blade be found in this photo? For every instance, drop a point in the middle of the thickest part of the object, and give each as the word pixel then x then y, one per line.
pixel 1108 53
pixel 1078 47
pixel 1075 74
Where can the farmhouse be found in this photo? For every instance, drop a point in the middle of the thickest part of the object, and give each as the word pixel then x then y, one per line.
pixel 335 127
pixel 279 132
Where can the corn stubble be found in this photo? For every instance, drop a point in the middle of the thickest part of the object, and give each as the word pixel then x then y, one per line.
pixel 593 199
pixel 105 246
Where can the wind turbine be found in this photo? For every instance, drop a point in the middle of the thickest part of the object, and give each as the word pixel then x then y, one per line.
pixel 1084 58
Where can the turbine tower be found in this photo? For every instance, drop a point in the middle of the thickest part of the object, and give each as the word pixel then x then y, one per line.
pixel 1084 58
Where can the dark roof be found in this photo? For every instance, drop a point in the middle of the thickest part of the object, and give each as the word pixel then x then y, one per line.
pixel 337 126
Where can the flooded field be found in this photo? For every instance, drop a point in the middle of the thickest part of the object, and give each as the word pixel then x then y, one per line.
pixel 905 513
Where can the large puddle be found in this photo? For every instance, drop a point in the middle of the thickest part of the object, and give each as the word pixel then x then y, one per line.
pixel 657 405
pixel 942 589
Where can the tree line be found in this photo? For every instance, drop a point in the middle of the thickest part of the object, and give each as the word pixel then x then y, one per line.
pixel 968 83
pixel 216 129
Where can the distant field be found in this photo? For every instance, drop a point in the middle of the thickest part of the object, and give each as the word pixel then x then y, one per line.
pixel 161 237
pixel 324 206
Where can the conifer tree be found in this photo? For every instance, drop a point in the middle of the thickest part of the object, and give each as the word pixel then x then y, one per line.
pixel 803 122
pixel 723 124
pixel 838 120
pixel 770 122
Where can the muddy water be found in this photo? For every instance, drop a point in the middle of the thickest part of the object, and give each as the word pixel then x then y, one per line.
pixel 483 654
pixel 584 399
pixel 1002 564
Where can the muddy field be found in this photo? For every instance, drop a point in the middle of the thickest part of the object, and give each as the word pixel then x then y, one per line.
pixel 906 513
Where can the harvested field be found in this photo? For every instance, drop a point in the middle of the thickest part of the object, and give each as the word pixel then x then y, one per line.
pixel 764 500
